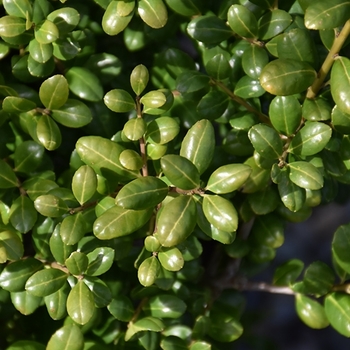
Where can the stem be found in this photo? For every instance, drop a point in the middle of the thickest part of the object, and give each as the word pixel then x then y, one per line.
pixel 244 285
pixel 328 62
pixel 142 140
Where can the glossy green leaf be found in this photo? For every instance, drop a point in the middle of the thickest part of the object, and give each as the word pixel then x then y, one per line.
pixel 254 59
pixel 180 171
pixel 340 82
pixel 198 144
pixel 165 306
pixel 134 129
pixel 311 312
pixel 168 103
pixel 25 302
pixel 258 178
pixel 101 292
pixel 23 214
pixel 191 81
pixel 162 130
pixel 54 92
pixel 103 156
pixel 176 221
pixel 286 76
pixel 67 337
pixel 77 263
pixel 12 26
pixel 171 259
pixel 28 156
pixel 200 345
pixel 288 272
pixel 142 193
pixel 285 114
pixel 117 222
pixel 139 78
pixel 84 84
pixel 121 308
pixel 150 323
pixel 337 308
pixel 50 205
pixel 13 104
pixel 46 32
pixel 80 303
pixel 100 261
pixel 266 141
pixel 218 67
pixel 119 101
pixel 59 250
pixel 242 21
pixel 340 245
pixel 112 22
pixel 327 14
pixel 237 143
pixel 340 120
pixel 212 105
pixel 228 178
pixel 66 19
pixel 12 244
pixel 220 212
pixel 40 70
pixel 317 109
pixel 153 13
pixel 8 178
pixel 18 8
pixel 26 345
pixel 185 7
pixel 46 282
pixel 131 160
pixel 66 48
pixel 48 133
pixel 224 328
pixel 155 151
pixel 153 99
pixel 148 271
pixel 318 279
pixel 208 29
pixel 84 184
pixel 305 175
pixel 248 87
pixel 152 244
pixel 173 342
pixel 72 228
pixel 311 139
pixel 273 23
pixel 264 201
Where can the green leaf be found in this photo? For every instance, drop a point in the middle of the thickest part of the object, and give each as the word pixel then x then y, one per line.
pixel 72 228
pixel 180 171
pixel 100 261
pixel 327 14
pixel 185 7
pixel 13 245
pixel 317 109
pixel 12 26
pixel 23 215
pixel 112 22
pixel 59 250
pixel 40 70
pixel 117 222
pixel 15 275
pixel 258 178
pixel 198 144
pixel 212 105
pixel 77 263
pixel 119 101
pixel 153 13
pixel 173 343
pixel 171 259
pixel 50 205
pixel 224 328
pixel 191 81
pixel 66 19
pixel 131 160
pixel 25 303
pixel 165 306
pixel 254 59
pixel 148 271
pixel 142 193
pixel 84 184
pixel 242 21
pixel 340 246
pixel 340 120
pixel 54 92
pixel 318 279
pixel 103 156
pixel 153 99
pixel 26 345
pixel 220 212
pixel 208 29
pixel 80 303
pixel 228 178
pixel 46 32
pixel 305 175
pixel 176 221
pixel 101 292
pixel 266 141
pixel 13 104
pixel 152 244
pixel 67 337
pixel 288 272
pixel 340 83
pixel 135 128
pixel 273 23
pixel 8 178
pixel 218 67
pixel 66 49
pixel 248 87
pixel 28 156
pixel 84 84
pixel 285 114
pixel 337 308
pixel 311 139
pixel 48 133
pixel 311 312
pixel 121 308
pixel 162 130
pixel 18 8
pixel 286 76
pixel 200 345
pixel 152 324
pixel 46 282
pixel 264 201
pixel 139 78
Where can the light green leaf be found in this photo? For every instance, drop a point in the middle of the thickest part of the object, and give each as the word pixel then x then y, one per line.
pixel 337 308
pixel 119 101
pixel 54 92
pixel 13 245
pixel 139 77
pixel 165 306
pixel 340 83
pixel 67 337
pixel 305 175
pixel 242 21
pixel 23 215
pixel 48 133
pixel 153 13
pixel 100 261
pixel 84 184
pixel 171 258
pixel 148 271
pixel 8 178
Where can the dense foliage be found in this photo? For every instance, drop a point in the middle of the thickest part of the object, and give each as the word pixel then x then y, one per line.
pixel 151 153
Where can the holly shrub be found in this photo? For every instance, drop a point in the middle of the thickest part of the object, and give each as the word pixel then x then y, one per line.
pixel 151 154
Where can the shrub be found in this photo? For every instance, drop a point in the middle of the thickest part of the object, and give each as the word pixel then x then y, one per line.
pixel 151 153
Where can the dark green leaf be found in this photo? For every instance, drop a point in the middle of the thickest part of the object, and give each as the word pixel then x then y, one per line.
pixel 242 21
pixel 100 261
pixel 77 263
pixel 66 19
pixel 318 279
pixel 25 302
pixel 340 246
pixel 340 83
pixel 101 292
pixel 12 244
pixel 337 308
pixel 165 306
pixel 23 215
pixel 28 156
pixel 121 308
pixel 288 272
pixel 191 81
pixel 8 178
pixel 254 59
pixel 273 23
pixel 72 228
pixel 67 337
